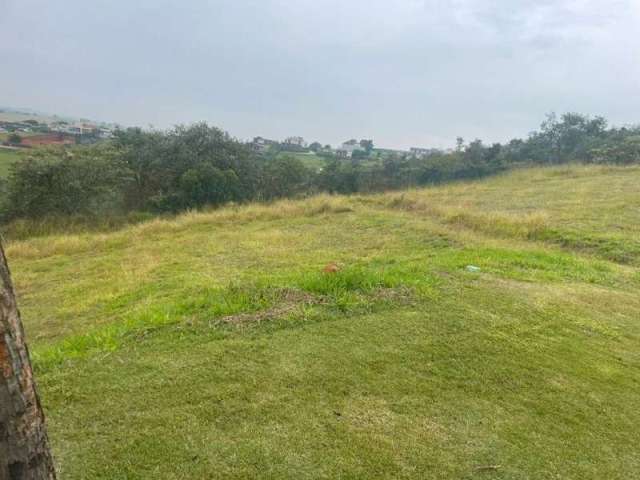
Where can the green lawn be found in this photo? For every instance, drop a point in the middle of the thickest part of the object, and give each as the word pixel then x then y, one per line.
pixel 211 345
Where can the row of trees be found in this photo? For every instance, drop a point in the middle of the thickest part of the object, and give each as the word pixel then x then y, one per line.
pixel 189 167
pixel 186 167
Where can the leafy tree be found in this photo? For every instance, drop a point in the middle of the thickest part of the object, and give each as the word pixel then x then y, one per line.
pixel 565 139
pixel 53 183
pixel 624 150
pixel 207 185
pixel 284 177
pixel 142 152
pixel 160 162
pixel 367 145
pixel 315 147
pixel 340 177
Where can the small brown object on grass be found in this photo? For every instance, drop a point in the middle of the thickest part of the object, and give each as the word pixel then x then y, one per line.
pixel 331 268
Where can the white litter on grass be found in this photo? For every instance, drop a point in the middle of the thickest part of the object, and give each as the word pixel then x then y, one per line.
pixel 472 269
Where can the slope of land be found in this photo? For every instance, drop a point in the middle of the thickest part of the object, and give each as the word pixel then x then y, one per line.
pixel 211 345
pixel 7 158
pixel 308 159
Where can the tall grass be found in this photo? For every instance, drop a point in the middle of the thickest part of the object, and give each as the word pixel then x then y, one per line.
pixel 22 229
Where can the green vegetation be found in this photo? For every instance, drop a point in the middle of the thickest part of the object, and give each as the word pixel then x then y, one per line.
pixel 196 166
pixel 310 160
pixel 14 139
pixel 210 344
pixel 7 158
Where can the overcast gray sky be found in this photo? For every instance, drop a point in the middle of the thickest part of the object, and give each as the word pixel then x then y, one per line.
pixel 403 72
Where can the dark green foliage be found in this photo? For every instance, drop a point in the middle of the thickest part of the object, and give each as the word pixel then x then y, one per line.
pixel 14 139
pixel 141 152
pixel 619 147
pixel 186 167
pixel 340 177
pixel 315 147
pixel 284 177
pixel 567 139
pixel 56 182
pixel 198 165
pixel 367 145
pixel 205 184
pixel 359 154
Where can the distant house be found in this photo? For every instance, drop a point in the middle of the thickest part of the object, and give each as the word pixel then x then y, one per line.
pixel 59 126
pixel 104 132
pixel 326 149
pixel 422 152
pixel 295 142
pixel 260 144
pixel 347 148
pixel 83 129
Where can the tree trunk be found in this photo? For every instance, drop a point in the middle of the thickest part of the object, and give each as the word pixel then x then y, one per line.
pixel 24 448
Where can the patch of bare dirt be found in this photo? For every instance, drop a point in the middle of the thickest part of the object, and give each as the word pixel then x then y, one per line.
pixel 289 301
pixel 403 295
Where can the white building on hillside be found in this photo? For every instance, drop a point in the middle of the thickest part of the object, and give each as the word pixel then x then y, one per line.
pixel 260 144
pixel 423 152
pixel 347 148
pixel 296 142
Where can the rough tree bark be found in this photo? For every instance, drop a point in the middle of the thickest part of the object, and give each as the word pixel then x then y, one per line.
pixel 24 448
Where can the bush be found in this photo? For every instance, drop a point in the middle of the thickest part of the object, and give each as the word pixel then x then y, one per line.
pixel 62 184
pixel 284 177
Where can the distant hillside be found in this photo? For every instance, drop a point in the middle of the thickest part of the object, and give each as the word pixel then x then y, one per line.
pixel 486 329
pixel 9 114
pixel 309 159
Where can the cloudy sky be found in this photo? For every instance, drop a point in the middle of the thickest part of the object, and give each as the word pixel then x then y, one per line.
pixel 403 72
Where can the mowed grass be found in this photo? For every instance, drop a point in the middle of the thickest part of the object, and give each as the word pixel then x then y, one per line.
pixel 211 345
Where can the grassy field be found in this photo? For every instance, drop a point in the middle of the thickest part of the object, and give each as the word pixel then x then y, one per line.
pixel 211 345
pixel 310 160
